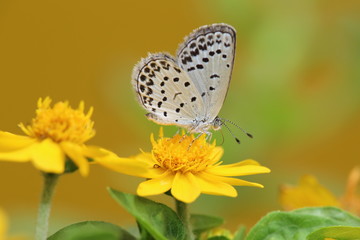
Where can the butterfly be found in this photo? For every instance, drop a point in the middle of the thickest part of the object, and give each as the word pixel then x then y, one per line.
pixel 189 90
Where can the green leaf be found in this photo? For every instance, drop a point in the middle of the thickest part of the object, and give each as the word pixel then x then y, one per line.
pixel 338 233
pixel 156 218
pixel 297 224
pixel 202 223
pixel 92 230
pixel 240 233
pixel 219 238
pixel 144 234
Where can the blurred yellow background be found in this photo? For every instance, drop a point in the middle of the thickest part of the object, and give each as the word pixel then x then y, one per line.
pixel 295 87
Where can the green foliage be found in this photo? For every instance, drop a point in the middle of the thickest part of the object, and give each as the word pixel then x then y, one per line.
pixel 240 233
pixel 202 223
pixel 156 219
pixel 298 224
pixel 338 233
pixel 92 230
pixel 218 238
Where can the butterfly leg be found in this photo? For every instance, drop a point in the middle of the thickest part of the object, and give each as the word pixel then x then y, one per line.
pixel 208 136
pixel 196 138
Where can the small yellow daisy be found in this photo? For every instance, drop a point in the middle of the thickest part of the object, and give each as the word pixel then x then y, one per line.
pixel 55 134
pixel 310 193
pixel 188 167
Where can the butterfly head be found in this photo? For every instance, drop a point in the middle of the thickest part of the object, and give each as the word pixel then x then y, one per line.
pixel 216 124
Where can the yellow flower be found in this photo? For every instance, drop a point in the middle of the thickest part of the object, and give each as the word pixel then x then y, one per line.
pixel 55 134
pixel 310 193
pixel 3 225
pixel 188 167
pixel 217 232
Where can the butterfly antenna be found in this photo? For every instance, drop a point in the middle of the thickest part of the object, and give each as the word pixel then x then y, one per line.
pixel 243 130
pixel 236 139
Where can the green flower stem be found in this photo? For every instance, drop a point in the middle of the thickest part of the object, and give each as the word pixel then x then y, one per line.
pixel 42 224
pixel 184 214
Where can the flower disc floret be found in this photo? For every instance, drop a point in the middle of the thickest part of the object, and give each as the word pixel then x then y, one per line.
pixel 184 153
pixel 60 123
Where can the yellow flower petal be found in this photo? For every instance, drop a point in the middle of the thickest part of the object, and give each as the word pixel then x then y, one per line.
pixel 126 165
pixel 12 142
pixel 21 155
pixel 236 182
pixel 157 185
pixel 216 154
pixel 185 187
pixel 242 163
pixel 238 171
pixel 94 151
pixel 74 152
pixel 209 185
pixel 48 157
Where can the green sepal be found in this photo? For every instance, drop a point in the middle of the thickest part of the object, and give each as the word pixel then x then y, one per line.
pixel 71 167
pixel 92 230
pixel 297 224
pixel 338 233
pixel 203 223
pixel 160 221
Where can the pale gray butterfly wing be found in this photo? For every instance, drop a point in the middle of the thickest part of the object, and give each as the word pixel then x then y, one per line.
pixel 166 91
pixel 207 55
pixel 188 92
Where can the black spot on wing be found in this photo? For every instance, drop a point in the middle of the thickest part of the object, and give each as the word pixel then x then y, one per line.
pixel 195 52
pixel 214 76
pixel 199 66
pixel 142 77
pixel 150 82
pixel 149 91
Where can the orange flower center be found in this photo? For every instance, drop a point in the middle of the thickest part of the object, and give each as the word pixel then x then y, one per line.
pixel 184 153
pixel 60 123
